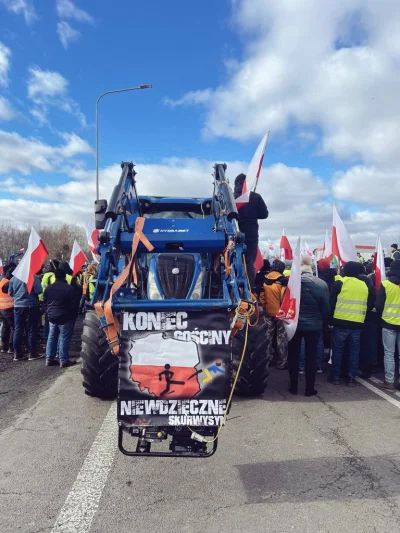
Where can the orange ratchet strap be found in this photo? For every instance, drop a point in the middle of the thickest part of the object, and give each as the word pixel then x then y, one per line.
pixel 104 312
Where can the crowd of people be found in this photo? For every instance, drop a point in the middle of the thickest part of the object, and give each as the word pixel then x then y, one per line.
pixel 342 317
pixel 40 322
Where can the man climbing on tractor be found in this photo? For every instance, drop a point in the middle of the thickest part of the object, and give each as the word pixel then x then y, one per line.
pixel 249 214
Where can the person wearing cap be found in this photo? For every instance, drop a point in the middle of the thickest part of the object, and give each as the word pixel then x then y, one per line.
pixel 350 299
pixel 249 214
pixel 61 301
pixel 388 307
pixel 314 311
pixel 271 298
pixel 394 252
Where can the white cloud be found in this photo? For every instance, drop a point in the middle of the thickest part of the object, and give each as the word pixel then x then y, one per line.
pixel 190 98
pixel 5 58
pixel 333 65
pixel 68 10
pixel 29 155
pixel 67 33
pixel 6 110
pixel 74 145
pixel 21 7
pixel 49 88
pixel 368 185
pixel 45 83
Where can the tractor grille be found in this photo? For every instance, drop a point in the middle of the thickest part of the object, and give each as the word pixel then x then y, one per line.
pixel 175 273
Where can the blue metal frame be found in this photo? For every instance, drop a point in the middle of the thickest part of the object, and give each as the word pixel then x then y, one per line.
pixel 210 235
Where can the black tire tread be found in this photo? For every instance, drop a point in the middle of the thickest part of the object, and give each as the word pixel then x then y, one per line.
pixel 254 372
pixel 99 365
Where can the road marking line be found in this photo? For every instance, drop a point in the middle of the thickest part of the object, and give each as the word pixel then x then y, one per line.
pixel 380 393
pixel 82 502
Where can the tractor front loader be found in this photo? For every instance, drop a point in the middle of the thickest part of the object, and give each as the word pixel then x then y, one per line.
pixel 174 326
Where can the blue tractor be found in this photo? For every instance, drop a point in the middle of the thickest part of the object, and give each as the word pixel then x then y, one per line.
pixel 173 325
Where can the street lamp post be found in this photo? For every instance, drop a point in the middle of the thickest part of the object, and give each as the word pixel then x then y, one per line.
pixel 139 88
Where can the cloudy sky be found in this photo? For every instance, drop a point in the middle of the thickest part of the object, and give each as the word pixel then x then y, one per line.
pixel 324 77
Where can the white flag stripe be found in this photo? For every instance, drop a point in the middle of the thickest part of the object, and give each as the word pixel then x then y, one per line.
pixel 294 286
pixel 254 170
pixel 327 245
pixel 23 269
pixel 154 350
pixel 346 245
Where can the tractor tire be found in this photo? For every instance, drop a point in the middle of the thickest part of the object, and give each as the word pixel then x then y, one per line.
pixel 99 364
pixel 254 372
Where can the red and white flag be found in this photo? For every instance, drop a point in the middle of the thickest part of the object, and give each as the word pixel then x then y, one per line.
pixel 286 249
pixel 253 173
pixel 379 264
pixel 1 267
pixel 92 239
pixel 327 246
pixel 259 262
pixel 32 261
pixel 305 249
pixel 78 258
pixel 290 306
pixel 342 244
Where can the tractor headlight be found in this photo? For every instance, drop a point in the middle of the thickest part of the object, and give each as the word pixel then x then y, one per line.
pixel 197 292
pixel 152 290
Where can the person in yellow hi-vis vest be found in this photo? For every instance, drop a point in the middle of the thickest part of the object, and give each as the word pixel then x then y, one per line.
pixel 350 298
pixel 388 306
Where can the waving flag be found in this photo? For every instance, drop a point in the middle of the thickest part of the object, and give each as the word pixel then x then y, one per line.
pixel 253 173
pixel 1 267
pixel 290 306
pixel 379 264
pixel 92 238
pixel 286 249
pixel 327 246
pixel 32 261
pixel 342 244
pixel 78 258
pixel 259 262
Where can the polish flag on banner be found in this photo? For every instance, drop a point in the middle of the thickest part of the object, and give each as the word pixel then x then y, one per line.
pixel 327 246
pixel 259 262
pixel 166 367
pixel 286 249
pixel 92 238
pixel 379 264
pixel 290 306
pixel 78 258
pixel 32 261
pixel 253 173
pixel 342 244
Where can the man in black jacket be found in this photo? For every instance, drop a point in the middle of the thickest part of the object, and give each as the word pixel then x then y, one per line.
pixel 350 300
pixel 249 214
pixel 60 301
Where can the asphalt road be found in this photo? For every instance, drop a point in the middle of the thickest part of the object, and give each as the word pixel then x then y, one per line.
pixel 328 464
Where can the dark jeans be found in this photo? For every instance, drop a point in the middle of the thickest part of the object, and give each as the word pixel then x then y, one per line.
pixel 340 338
pixel 59 336
pixel 369 346
pixel 46 328
pixel 26 318
pixel 251 254
pixel 7 332
pixel 311 348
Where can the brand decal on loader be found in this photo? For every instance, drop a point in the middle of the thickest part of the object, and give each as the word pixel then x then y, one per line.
pixel 158 230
